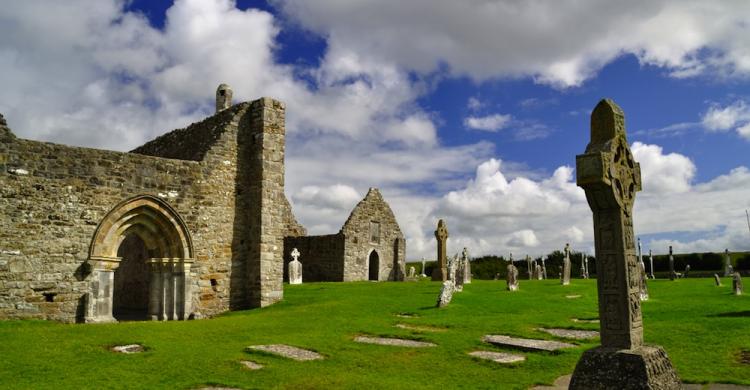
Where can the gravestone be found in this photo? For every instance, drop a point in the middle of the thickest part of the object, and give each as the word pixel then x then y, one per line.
pixel 727 263
pixel 446 294
pixel 610 178
pixel 717 280
pixel 651 260
pixel 544 268
pixel 456 271
pixel 295 268
pixel 687 271
pixel 529 267
pixel 412 272
pixel 512 277
pixel 583 267
pixel 466 266
pixel 643 286
pixel 586 262
pixel 538 272
pixel 423 274
pixel 737 284
pixel 566 266
pixel 672 273
pixel 440 273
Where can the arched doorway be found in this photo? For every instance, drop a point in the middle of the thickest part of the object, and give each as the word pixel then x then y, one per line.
pixel 130 290
pixel 373 266
pixel 146 237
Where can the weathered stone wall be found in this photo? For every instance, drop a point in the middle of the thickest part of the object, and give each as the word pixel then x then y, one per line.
pixel 227 185
pixel 322 257
pixel 391 246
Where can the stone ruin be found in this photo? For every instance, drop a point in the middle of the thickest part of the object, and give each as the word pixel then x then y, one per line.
pixel 188 225
pixel 610 178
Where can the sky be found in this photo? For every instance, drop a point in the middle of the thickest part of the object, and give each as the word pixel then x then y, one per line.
pixel 469 111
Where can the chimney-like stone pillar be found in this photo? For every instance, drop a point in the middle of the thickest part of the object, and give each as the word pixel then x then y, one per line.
pixel 223 97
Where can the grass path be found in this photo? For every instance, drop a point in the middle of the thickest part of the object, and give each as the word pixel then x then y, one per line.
pixel 702 327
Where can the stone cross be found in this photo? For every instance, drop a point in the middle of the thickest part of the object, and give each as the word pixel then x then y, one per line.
pixel 672 273
pixel 544 268
pixel 566 266
pixel 512 277
pixel 727 263
pixel 423 274
pixel 610 177
pixel 651 260
pixel 586 262
pixel 538 272
pixel 737 284
pixel 295 268
pixel 440 273
pixel 412 272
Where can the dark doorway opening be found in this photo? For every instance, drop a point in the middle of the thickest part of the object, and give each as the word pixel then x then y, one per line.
pixel 130 293
pixel 374 266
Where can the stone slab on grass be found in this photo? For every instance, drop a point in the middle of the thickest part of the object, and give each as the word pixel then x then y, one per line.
pixel 287 351
pixel 393 342
pixel 560 383
pixel 586 321
pixel 250 365
pixel 498 357
pixel 130 348
pixel 420 328
pixel 571 333
pixel 527 344
pixel 572 296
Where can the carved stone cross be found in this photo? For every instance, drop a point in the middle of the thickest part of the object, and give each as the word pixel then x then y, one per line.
pixel 295 254
pixel 440 273
pixel 611 177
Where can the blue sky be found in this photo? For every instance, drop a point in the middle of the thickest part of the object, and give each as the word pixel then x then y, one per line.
pixel 469 111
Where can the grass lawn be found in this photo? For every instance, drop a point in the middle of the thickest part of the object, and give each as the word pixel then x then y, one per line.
pixel 702 327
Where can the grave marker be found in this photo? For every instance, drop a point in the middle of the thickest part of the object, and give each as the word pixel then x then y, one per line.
pixel 737 284
pixel 566 266
pixel 295 268
pixel 610 178
pixel 440 273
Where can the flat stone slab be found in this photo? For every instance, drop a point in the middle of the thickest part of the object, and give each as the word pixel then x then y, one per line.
pixel 498 357
pixel 250 365
pixel 288 352
pixel 527 344
pixel 393 342
pixel 420 328
pixel 406 315
pixel 572 296
pixel 130 348
pixel 571 333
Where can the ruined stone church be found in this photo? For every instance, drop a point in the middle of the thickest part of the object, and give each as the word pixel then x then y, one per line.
pixel 190 224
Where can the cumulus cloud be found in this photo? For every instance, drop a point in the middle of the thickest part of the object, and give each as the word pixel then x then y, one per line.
pixel 492 122
pixel 509 39
pixel 735 116
pixel 663 173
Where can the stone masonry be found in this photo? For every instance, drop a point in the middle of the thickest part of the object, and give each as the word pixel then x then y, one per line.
pixel 206 203
pixel 369 246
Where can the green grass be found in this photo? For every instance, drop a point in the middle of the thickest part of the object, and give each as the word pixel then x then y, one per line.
pixel 702 327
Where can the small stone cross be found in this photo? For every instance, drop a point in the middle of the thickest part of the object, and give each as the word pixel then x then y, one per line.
pixel 295 254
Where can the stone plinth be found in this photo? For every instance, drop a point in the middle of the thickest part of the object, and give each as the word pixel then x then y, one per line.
pixel 645 367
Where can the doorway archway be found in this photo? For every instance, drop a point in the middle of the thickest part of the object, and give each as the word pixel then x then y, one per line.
pixel 373 266
pixel 147 237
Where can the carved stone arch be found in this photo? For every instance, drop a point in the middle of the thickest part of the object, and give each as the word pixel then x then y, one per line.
pixel 170 251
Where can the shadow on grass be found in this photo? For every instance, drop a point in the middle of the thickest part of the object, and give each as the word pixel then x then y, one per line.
pixel 745 313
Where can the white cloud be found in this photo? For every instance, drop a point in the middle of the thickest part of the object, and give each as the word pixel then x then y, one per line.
pixel 734 116
pixel 572 42
pixel 523 238
pixel 475 104
pixel 492 122
pixel 663 173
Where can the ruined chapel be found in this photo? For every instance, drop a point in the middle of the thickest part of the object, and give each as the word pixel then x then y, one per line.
pixel 190 224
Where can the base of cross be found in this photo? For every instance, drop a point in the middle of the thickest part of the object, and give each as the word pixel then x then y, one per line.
pixel 646 367
pixel 440 274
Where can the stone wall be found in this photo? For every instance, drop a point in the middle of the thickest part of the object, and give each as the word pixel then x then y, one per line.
pixel 224 176
pixel 322 257
pixel 389 245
